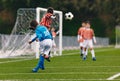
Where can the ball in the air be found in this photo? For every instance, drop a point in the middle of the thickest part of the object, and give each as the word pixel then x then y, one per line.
pixel 69 16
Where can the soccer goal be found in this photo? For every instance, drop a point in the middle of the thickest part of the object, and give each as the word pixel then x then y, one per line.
pixel 117 32
pixel 16 43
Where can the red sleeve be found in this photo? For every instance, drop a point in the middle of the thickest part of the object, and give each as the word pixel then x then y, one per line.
pixel 46 20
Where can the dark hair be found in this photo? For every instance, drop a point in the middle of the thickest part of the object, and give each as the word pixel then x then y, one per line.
pixel 33 23
pixel 87 21
pixel 50 10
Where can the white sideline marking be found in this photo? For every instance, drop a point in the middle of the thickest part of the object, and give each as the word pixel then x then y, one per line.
pixel 81 67
pixel 14 61
pixel 59 73
pixel 114 76
pixel 55 80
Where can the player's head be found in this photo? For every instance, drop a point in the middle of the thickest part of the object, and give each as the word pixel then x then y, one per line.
pixel 88 23
pixel 50 10
pixel 33 24
pixel 83 24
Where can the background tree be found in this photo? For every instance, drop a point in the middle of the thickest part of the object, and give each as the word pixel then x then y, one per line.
pixel 103 14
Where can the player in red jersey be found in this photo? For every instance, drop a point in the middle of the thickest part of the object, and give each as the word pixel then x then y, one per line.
pixel 80 38
pixel 89 37
pixel 47 18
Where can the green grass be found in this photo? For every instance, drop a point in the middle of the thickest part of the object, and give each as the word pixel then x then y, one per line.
pixel 68 67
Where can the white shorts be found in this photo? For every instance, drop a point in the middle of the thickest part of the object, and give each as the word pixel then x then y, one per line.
pixel 45 46
pixel 81 44
pixel 88 43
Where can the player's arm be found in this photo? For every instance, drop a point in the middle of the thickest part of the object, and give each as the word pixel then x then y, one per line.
pixel 35 38
pixel 79 36
pixel 53 16
pixel 94 39
pixel 49 15
pixel 57 32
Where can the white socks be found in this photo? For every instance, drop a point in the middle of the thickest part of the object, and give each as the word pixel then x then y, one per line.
pixel 93 53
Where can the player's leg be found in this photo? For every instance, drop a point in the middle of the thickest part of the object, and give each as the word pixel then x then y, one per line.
pixel 85 44
pixel 41 59
pixel 52 39
pixel 92 50
pixel 81 48
pixel 47 49
pixel 86 51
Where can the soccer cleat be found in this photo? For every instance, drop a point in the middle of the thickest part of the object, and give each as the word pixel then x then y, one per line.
pixel 42 68
pixel 34 70
pixel 84 58
pixel 81 54
pixel 94 59
pixel 48 59
pixel 49 53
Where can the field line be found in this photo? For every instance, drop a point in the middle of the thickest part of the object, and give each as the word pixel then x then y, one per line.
pixel 95 51
pixel 14 61
pixel 62 55
pixel 59 73
pixel 114 76
pixel 75 67
pixel 56 80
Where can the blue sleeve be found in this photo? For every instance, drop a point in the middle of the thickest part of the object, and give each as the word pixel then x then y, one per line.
pixel 34 39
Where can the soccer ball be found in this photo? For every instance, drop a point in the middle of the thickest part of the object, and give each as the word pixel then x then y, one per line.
pixel 69 16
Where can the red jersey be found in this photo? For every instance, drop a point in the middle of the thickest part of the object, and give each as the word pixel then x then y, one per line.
pixel 80 32
pixel 88 33
pixel 46 20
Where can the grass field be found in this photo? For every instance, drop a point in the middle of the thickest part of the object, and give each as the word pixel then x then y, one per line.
pixel 68 67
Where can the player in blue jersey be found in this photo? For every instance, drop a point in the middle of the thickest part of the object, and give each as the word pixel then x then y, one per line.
pixel 43 35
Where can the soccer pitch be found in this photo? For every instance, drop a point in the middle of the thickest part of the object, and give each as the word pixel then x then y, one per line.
pixel 68 67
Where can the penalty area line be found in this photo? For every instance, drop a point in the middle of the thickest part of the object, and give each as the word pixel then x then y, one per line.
pixel 114 76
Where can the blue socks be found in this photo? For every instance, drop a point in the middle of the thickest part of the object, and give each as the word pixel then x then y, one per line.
pixel 40 64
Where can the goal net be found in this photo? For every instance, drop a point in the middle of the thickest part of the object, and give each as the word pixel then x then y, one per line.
pixel 117 31
pixel 16 44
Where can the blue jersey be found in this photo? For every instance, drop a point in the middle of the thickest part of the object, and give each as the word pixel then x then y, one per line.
pixel 42 33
